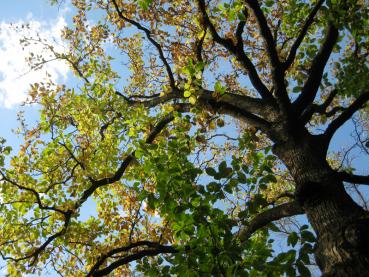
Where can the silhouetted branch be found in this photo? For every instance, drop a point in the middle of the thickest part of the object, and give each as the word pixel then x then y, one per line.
pixel 354 179
pixel 345 115
pixel 154 249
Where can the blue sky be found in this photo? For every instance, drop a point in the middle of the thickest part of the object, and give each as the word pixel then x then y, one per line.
pixel 15 75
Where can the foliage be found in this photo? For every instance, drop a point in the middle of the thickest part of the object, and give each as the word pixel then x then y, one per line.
pixel 150 143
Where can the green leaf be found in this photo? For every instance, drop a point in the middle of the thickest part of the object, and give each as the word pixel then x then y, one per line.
pixel 213 187
pixel 296 89
pixel 144 4
pixel 210 171
pixel 222 166
pixel 292 239
pixel 307 236
pixel 219 88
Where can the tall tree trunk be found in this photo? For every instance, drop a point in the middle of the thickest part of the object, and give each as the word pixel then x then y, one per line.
pixel 341 225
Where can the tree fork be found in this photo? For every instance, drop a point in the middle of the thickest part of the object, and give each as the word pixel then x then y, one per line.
pixel 341 225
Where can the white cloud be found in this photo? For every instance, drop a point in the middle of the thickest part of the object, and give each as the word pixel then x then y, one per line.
pixel 15 73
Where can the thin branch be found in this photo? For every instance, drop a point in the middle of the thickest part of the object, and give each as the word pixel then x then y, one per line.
pixel 87 193
pixel 148 34
pixel 76 68
pixel 329 99
pixel 35 194
pixel 95 184
pixel 72 155
pixel 346 115
pixel 35 254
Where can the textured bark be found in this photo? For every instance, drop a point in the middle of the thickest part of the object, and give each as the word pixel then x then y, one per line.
pixel 341 225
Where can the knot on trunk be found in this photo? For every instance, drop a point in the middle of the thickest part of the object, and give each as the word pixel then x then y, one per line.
pixel 356 234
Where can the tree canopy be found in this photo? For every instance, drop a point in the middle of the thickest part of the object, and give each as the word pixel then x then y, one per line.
pixel 193 128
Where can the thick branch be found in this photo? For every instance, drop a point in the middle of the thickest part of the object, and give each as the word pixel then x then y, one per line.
pixel 254 111
pixel 240 28
pixel 235 109
pixel 354 179
pixel 257 106
pixel 151 101
pixel 265 32
pixel 316 70
pixel 302 34
pixel 268 216
pixel 277 73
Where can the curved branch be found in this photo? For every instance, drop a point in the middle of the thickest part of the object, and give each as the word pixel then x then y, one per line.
pixel 35 254
pixel 95 272
pixel 159 249
pixel 95 184
pixel 240 28
pixel 153 100
pixel 268 216
pixel 148 34
pixel 35 193
pixel 257 106
pixel 346 115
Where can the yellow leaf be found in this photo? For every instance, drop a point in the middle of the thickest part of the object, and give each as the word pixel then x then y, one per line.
pixel 192 100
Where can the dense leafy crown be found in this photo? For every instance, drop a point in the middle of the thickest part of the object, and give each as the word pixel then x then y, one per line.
pixel 161 134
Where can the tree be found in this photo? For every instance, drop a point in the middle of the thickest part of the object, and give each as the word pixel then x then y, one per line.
pixel 146 135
